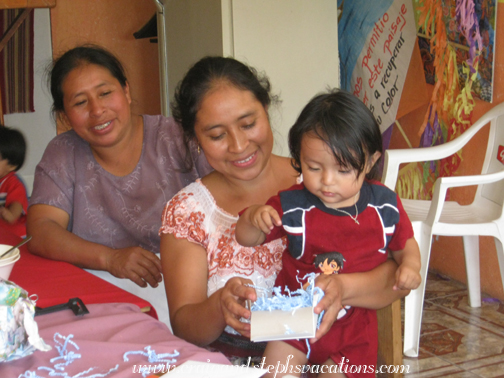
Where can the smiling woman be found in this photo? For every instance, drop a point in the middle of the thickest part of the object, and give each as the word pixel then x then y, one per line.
pixel 239 143
pixel 100 188
pixel 222 105
pixel 98 106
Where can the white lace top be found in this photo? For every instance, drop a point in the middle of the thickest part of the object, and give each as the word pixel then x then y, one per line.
pixel 192 214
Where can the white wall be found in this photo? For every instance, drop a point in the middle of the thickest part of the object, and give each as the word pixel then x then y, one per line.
pixel 38 127
pixel 295 42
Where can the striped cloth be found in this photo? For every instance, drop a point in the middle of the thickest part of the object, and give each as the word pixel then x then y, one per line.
pixel 16 64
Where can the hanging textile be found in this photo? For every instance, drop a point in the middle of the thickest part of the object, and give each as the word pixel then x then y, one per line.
pixel 16 64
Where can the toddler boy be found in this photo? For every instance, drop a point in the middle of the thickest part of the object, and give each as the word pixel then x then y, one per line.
pixel 13 198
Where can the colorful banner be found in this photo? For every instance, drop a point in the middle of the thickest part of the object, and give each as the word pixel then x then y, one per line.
pixel 376 40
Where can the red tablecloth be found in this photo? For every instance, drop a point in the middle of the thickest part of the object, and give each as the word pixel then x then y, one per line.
pixel 55 282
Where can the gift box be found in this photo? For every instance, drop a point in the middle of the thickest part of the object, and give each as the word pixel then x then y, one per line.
pixel 286 316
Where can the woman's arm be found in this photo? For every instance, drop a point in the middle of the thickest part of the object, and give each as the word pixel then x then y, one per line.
pixel 372 290
pixel 194 316
pixel 48 227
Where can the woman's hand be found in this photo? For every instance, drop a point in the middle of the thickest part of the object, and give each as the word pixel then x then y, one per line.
pixel 233 297
pixel 135 263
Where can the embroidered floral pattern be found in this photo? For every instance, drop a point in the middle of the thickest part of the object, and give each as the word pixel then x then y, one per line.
pixel 190 215
pixel 178 219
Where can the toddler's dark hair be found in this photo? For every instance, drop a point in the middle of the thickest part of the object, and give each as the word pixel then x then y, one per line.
pixel 12 146
pixel 345 124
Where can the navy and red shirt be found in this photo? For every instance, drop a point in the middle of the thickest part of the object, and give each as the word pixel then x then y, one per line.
pixel 312 228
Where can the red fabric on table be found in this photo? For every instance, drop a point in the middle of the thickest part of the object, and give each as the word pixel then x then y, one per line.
pixel 103 337
pixel 55 282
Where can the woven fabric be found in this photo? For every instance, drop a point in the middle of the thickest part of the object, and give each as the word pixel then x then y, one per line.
pixel 16 64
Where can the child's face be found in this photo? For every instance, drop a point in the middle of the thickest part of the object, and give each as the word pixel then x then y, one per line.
pixel 5 167
pixel 336 186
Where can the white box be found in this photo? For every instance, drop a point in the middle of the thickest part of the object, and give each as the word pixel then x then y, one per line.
pixel 283 325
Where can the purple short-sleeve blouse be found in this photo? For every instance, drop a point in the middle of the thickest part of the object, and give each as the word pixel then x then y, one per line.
pixel 117 211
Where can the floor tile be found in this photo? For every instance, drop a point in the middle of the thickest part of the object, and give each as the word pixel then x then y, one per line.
pixel 491 370
pixel 429 362
pixel 489 363
pixel 438 372
pixel 458 341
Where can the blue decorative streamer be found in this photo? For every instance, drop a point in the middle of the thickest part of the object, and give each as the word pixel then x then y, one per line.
pixel 153 357
pixel 67 356
pixel 61 345
pixel 29 374
pixel 290 301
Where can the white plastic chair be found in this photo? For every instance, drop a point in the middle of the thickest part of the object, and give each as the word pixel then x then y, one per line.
pixel 484 216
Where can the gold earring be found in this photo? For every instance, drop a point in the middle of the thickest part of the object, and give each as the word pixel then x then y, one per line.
pixel 199 149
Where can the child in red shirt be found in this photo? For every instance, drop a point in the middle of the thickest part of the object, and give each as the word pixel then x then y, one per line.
pixel 13 198
pixel 335 144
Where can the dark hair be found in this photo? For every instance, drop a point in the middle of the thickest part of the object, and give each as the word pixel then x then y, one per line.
pixel 330 256
pixel 12 146
pixel 203 76
pixel 77 57
pixel 345 124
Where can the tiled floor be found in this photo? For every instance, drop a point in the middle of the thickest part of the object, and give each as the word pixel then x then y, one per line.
pixel 458 341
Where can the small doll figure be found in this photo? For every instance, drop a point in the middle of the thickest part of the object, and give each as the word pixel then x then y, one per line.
pixel 329 263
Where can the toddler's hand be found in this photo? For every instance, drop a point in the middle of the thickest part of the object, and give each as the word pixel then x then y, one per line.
pixel 6 215
pixel 407 278
pixel 265 218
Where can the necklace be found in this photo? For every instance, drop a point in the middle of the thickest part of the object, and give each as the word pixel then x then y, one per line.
pixel 350 215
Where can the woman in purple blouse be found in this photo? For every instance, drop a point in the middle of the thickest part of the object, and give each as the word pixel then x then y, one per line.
pixel 100 188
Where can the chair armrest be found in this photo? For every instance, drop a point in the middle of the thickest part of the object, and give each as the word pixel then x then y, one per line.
pixel 442 184
pixel 394 158
pixel 456 181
